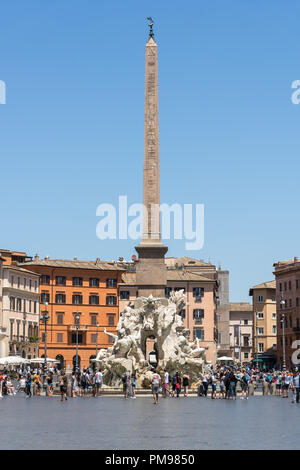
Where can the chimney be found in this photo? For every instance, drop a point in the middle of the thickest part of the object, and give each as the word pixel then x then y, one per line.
pixel 121 259
pixel 75 258
pixel 97 261
pixel 47 257
pixel 36 257
pixel 295 259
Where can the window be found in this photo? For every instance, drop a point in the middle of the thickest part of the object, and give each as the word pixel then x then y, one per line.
pixel 291 321
pixel 93 319
pixel 111 282
pixel 43 337
pixel 297 284
pixel 94 300
pixel 12 281
pixel 274 316
pixel 77 299
pixel 59 337
pixel 77 281
pixel 60 319
pixel 260 331
pixel 177 289
pixel 110 340
pixel 12 303
pixel 30 284
pixel 111 320
pixel 60 298
pixel 280 286
pixel 124 295
pixel 35 285
pixel 198 293
pixel 260 315
pixel 34 307
pixel 111 300
pixel 246 355
pixel 94 338
pixel 274 329
pixel 261 347
pixel 29 308
pixel 45 279
pixel 285 286
pixel 168 291
pixel 24 282
pixel 273 299
pixel 45 297
pixel 297 301
pixel 19 305
pixel 73 338
pixel 60 280
pixel 290 285
pixel 198 314
pixel 260 298
pixel 246 321
pixel 199 333
pixel 246 341
pixel 290 302
pixel 94 282
pixel 18 282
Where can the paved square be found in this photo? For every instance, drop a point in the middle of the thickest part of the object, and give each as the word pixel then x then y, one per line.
pixel 115 423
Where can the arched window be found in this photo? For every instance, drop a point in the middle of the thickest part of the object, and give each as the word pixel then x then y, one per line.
pixel 93 364
pixel 74 363
pixel 60 358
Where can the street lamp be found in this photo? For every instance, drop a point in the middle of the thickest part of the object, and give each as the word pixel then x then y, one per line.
pixel 44 318
pixel 282 302
pixel 256 327
pixel 77 317
pixel 97 324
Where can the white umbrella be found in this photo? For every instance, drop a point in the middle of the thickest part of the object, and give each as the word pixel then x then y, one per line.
pixel 224 358
pixel 13 360
pixel 41 360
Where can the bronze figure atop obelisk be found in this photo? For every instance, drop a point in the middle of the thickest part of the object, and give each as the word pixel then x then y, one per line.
pixel 150 269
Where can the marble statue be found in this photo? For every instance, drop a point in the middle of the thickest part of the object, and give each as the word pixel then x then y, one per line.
pixel 160 320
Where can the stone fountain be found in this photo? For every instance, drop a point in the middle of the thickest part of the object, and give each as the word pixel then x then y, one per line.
pixel 159 319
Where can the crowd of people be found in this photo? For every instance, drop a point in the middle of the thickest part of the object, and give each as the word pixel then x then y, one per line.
pixel 223 382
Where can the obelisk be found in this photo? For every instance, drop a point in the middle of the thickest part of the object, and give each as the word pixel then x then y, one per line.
pixel 150 268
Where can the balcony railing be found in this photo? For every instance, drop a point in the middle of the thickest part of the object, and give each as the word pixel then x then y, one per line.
pixel 80 327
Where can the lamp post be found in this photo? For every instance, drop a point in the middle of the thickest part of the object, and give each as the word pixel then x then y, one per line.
pixel 97 324
pixel 44 318
pixel 77 317
pixel 256 334
pixel 282 302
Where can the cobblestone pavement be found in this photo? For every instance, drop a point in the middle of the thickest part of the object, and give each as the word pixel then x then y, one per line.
pixel 115 423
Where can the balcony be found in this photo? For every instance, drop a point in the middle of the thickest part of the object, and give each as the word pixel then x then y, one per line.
pixel 80 327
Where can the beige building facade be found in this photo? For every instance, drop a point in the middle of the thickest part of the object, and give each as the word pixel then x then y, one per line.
pixel 241 331
pixel 265 322
pixel 19 312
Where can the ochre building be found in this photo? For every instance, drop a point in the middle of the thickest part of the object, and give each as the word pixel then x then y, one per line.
pixel 81 298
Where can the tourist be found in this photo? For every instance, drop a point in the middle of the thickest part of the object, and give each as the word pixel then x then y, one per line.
pixel 166 385
pixel 10 387
pixel 74 385
pixel 155 386
pixel 213 381
pixel 28 386
pixel 232 385
pixel 98 382
pixel 22 384
pixel 126 383
pixel 286 384
pixel 296 387
pixel 133 385
pixel 245 385
pixel 49 380
pixel 178 384
pixel 63 381
pixel 85 382
pixel 205 383
pixel 174 380
pixel 185 383
pixel 222 391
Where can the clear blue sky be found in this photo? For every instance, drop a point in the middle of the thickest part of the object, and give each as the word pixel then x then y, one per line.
pixel 71 133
